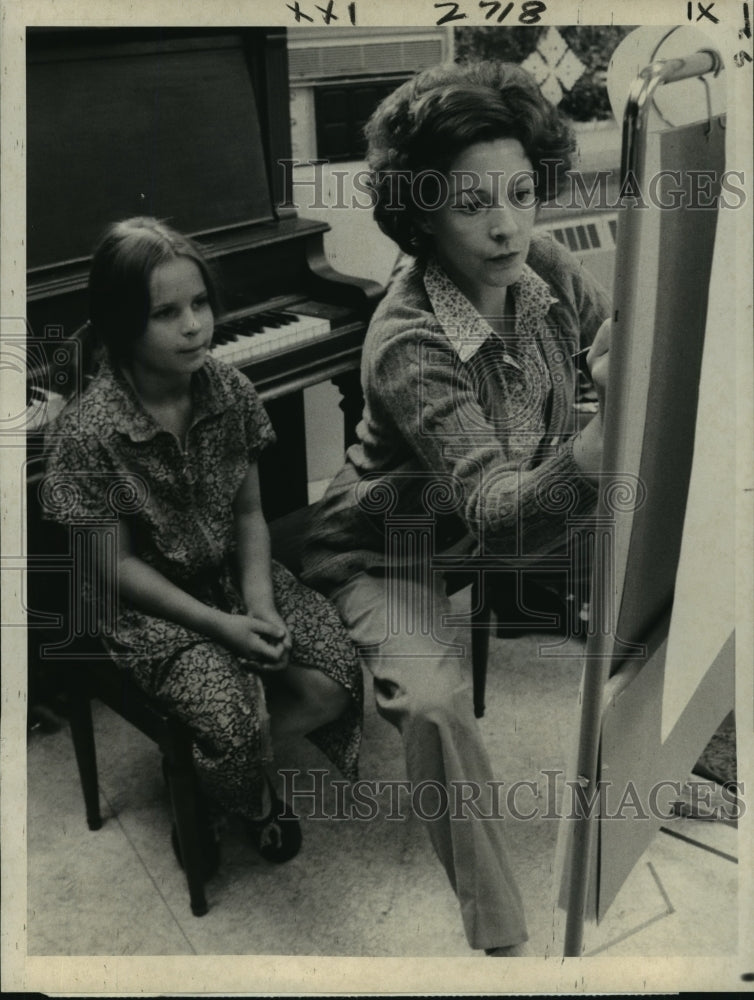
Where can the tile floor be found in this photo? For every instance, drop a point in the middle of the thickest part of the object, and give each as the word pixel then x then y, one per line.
pixel 356 889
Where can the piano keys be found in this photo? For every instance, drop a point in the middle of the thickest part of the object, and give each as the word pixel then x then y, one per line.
pixel 247 336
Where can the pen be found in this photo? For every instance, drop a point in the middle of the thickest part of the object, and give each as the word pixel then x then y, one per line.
pixel 579 361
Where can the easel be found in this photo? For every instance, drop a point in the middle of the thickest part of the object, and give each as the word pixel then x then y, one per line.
pixel 656 358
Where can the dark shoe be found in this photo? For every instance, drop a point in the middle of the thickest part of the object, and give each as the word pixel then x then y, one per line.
pixel 275 838
pixel 509 951
pixel 210 848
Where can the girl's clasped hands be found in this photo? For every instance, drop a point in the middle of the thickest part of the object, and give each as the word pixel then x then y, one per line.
pixel 262 639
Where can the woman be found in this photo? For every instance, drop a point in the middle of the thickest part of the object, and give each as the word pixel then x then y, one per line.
pixel 467 438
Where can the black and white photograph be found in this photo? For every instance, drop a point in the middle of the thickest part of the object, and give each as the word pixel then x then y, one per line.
pixel 378 497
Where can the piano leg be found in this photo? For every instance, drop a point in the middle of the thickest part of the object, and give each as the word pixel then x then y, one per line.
pixel 351 403
pixel 282 467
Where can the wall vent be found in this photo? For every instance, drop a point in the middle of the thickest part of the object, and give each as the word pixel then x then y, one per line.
pixel 323 62
pixel 591 239
pixel 592 233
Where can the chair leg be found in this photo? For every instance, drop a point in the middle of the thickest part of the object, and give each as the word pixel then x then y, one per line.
pixel 481 621
pixel 82 733
pixel 183 794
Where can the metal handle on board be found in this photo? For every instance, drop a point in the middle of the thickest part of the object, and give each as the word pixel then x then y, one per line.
pixel 656 74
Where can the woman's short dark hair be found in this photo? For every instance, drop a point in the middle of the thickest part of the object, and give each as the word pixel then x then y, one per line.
pixel 431 119
pixel 121 269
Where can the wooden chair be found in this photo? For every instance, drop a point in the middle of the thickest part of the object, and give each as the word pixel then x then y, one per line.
pixel 85 672
pixel 88 673
pixel 101 679
pixel 495 607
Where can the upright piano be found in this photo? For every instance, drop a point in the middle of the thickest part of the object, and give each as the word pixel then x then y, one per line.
pixel 190 126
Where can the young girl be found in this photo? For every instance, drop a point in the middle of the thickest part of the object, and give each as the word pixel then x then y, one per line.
pixel 469 389
pixel 205 621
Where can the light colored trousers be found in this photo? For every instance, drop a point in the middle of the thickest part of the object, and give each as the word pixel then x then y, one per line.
pixel 421 687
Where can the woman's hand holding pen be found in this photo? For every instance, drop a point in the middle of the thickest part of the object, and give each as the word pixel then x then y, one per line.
pixel 587 445
pixel 598 361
